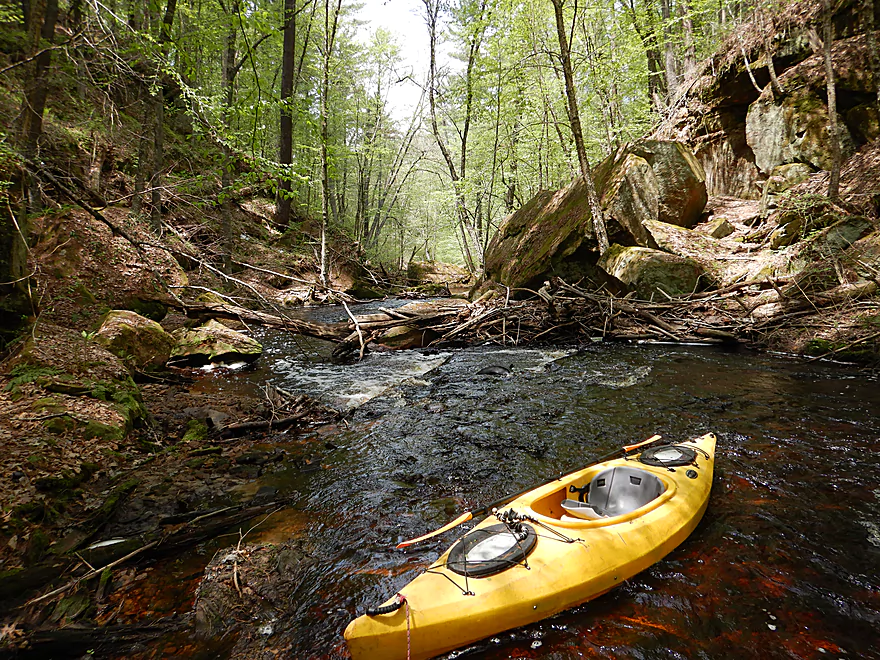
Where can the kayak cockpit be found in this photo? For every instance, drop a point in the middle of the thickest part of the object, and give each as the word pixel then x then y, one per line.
pixel 604 496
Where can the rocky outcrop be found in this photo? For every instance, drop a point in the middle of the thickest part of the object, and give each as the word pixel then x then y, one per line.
pixel 139 342
pixel 793 130
pixel 553 234
pixel 213 342
pixel 740 134
pixel 649 272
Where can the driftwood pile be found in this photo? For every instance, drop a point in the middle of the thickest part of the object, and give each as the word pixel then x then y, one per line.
pixel 745 312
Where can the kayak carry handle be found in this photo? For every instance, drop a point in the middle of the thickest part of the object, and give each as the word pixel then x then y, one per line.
pixel 387 609
pixel 653 438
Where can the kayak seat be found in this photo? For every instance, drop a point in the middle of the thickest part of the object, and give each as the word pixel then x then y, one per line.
pixel 620 490
pixel 580 510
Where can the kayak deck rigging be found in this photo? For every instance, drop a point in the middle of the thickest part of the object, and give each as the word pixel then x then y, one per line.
pixel 534 558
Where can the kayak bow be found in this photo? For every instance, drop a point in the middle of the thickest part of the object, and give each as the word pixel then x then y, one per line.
pixel 546 553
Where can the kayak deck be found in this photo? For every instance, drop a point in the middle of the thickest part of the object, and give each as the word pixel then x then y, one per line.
pixel 573 561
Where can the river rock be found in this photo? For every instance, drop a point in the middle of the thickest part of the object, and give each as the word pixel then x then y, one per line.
pixel 213 342
pixel 547 230
pixel 140 342
pixel 648 271
pixel 404 336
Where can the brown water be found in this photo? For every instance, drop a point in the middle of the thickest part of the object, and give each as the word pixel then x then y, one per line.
pixel 786 563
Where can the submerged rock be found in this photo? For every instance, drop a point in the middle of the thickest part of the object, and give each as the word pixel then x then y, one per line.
pixel 213 342
pixel 139 342
pixel 648 272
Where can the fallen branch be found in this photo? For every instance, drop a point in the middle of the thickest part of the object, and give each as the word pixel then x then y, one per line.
pixel 93 573
pixel 242 428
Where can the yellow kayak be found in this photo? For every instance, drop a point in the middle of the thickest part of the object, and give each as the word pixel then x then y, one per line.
pixel 548 550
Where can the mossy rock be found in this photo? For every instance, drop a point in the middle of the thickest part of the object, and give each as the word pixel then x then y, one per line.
pixel 648 272
pixel 196 431
pixel 548 229
pixel 65 362
pixel 140 342
pixel 842 350
pixel 213 342
pixel 151 309
pixel 363 292
pixel 793 130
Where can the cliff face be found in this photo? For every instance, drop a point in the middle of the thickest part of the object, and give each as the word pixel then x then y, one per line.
pixel 742 129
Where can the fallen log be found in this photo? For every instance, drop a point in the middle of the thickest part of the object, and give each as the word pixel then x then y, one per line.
pixel 328 331
pixel 235 430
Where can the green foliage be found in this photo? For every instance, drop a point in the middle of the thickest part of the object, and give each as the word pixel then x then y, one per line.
pixel 28 373
pixel 196 431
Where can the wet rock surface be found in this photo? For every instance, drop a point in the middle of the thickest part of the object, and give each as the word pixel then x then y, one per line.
pixel 212 342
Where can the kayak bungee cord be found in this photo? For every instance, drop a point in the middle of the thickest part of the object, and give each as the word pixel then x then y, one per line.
pixel 510 514
pixel 470 515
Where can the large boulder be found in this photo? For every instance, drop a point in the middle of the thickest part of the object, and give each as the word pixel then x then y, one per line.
pixel 630 196
pixel 141 343
pixel 213 342
pixel 651 273
pixel 536 239
pixel 650 180
pixel 681 182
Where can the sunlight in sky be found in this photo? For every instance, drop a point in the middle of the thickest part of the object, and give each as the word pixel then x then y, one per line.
pixel 403 18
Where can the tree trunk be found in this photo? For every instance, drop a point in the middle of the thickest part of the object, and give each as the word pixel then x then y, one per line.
pixel 827 38
pixel 574 120
pixel 159 119
pixel 432 8
pixel 648 36
pixel 285 146
pixel 229 73
pixel 870 24
pixel 42 15
pixel 669 52
pixel 329 38
pixel 690 50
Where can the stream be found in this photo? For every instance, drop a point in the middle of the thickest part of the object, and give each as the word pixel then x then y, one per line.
pixel 784 564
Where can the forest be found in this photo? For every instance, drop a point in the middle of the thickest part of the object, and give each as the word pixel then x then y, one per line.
pixel 190 102
pixel 230 228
